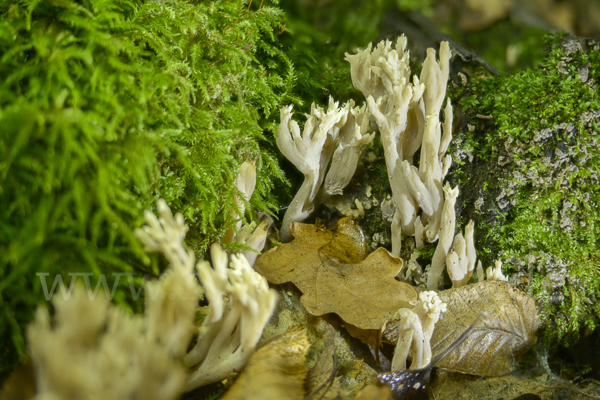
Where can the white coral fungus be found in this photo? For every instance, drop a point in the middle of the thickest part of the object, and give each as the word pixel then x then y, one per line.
pixel 337 133
pixel 415 329
pixel 240 306
pixel 93 350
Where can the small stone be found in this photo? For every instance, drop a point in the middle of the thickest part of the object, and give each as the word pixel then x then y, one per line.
pixel 562 68
pixel 387 210
pixel 583 74
pixel 561 126
pixel 542 135
pixel 560 154
pixel 570 46
pixel 479 203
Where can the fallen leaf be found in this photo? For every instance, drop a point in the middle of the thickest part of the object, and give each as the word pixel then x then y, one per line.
pixel 373 392
pixel 20 385
pixel 333 275
pixel 372 337
pixel 451 385
pixel 338 363
pixel 506 327
pixel 289 312
pixel 321 379
pixel 327 337
pixel 276 371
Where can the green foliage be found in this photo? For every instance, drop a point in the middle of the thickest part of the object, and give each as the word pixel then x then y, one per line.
pixel 424 7
pixel 325 32
pixel 508 45
pixel 550 237
pixel 241 78
pixel 108 105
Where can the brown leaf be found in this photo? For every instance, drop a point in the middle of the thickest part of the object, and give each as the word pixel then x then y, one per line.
pixel 276 371
pixel 373 392
pixel 321 379
pixel 507 325
pixel 333 275
pixel 372 337
pixel 20 385
pixel 338 362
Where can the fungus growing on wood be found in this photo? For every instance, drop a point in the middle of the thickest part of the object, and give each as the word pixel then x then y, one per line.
pixel 240 302
pixel 245 184
pixel 415 331
pixel 240 305
pixel 310 153
pixel 353 135
pixel 446 237
pixel 460 262
pixel 250 235
pixel 94 350
pixel 343 130
pixel 492 273
pixel 408 119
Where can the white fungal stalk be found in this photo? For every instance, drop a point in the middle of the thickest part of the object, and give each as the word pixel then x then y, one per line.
pixel 338 132
pixel 415 329
pixel 240 306
pixel 407 115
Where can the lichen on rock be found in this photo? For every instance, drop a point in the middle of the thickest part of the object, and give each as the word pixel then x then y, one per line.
pixel 529 179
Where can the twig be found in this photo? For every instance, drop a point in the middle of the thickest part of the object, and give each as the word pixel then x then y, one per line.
pixel 235 44
pixel 217 61
pixel 245 37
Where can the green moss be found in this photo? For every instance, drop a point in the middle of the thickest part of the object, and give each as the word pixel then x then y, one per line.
pixel 532 184
pixel 106 106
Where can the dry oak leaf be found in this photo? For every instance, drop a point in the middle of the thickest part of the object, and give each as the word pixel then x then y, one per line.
pixel 333 275
pixel 276 371
pixel 373 392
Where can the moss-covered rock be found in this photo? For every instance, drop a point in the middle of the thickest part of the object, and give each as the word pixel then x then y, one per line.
pixel 527 159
